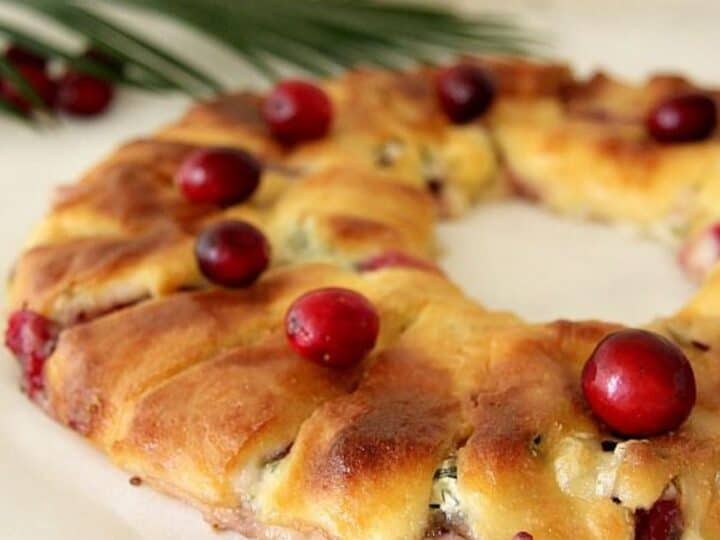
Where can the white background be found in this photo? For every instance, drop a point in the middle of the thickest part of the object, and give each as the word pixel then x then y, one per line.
pixel 510 256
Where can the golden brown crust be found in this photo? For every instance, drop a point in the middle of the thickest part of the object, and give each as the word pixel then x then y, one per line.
pixel 91 379
pixel 228 120
pixel 527 79
pixel 585 152
pixel 78 278
pixel 238 410
pixel 362 465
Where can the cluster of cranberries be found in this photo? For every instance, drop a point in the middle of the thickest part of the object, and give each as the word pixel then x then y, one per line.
pixel 74 93
pixel 231 253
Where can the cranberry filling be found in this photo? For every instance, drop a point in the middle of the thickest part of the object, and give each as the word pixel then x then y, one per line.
pixel 700 254
pixel 86 316
pixel 664 521
pixel 393 259
pixel 32 339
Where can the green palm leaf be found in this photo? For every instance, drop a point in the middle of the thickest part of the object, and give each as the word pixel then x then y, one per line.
pixel 317 37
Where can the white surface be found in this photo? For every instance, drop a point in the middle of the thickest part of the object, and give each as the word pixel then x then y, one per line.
pixel 510 256
pixel 519 257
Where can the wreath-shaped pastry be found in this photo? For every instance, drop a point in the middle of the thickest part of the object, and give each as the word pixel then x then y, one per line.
pixel 350 391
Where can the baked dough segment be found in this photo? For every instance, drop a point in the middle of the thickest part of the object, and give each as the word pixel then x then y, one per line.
pixel 129 205
pixel 384 121
pixel 127 193
pixel 208 432
pixel 82 278
pixel 101 368
pixel 125 233
pixel 348 213
pixel 584 152
pixel 196 392
pixel 362 465
pixel 228 120
pixel 535 461
pixel 529 464
pixel 121 234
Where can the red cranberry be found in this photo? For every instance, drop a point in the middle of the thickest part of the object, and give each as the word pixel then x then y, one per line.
pixel 32 338
pixel 221 176
pixel 332 326
pixel 700 254
pixel 522 535
pixel 664 521
pixel 690 117
pixel 297 111
pixel 388 259
pixel 639 383
pixel 19 56
pixel 38 80
pixel 464 92
pixel 232 253
pixel 80 94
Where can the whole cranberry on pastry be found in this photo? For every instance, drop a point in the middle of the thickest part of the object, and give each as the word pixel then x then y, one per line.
pixel 297 111
pixel 639 383
pixel 221 176
pixel 684 118
pixel 465 92
pixel 332 326
pixel 232 253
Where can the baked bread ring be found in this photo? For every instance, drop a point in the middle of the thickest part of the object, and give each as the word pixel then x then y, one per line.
pixel 461 422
